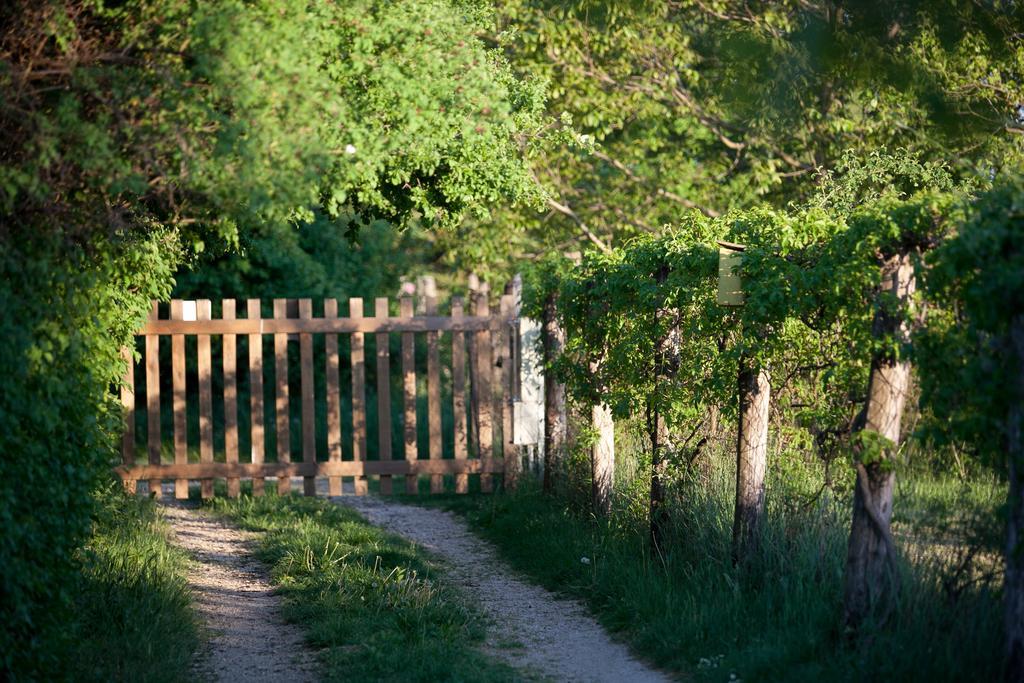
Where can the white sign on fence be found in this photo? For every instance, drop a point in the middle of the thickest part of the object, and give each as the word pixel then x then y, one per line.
pixel 528 411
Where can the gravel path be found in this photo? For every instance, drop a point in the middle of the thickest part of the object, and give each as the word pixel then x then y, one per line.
pixel 248 642
pixel 554 636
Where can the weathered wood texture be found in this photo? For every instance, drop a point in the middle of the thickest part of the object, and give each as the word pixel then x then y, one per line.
pixel 281 406
pixel 153 404
pixel 128 412
pixel 871 580
pixel 479 396
pixel 383 343
pixel 256 432
pixel 751 459
pixel 230 368
pixel 459 396
pixel 355 307
pixel 602 459
pixel 556 422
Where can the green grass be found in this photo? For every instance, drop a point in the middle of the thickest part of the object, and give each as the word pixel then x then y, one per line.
pixel 130 616
pixel 778 618
pixel 375 605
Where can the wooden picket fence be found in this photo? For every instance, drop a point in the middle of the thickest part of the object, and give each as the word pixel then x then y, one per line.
pixel 479 440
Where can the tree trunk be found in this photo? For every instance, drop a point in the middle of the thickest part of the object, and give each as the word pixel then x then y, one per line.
pixel 555 422
pixel 1013 587
pixel 871 580
pixel 602 460
pixel 751 459
pixel 658 433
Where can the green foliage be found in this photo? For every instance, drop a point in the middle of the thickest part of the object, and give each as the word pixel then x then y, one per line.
pixel 377 606
pixel 146 132
pixel 966 355
pixel 811 279
pixel 726 105
pixel 66 313
pixel 315 260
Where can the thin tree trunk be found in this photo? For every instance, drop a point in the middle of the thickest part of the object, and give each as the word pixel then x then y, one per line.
pixel 602 459
pixel 555 422
pixel 751 459
pixel 1013 587
pixel 658 433
pixel 871 580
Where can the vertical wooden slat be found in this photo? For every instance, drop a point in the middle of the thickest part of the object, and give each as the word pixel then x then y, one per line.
pixel 459 395
pixel 434 395
pixel 153 402
pixel 484 395
pixel 355 310
pixel 409 393
pixel 383 393
pixel 508 448
pixel 230 366
pixel 203 312
pixel 474 383
pixel 256 393
pixel 333 398
pixel 281 405
pixel 308 407
pixel 128 409
pixel 178 388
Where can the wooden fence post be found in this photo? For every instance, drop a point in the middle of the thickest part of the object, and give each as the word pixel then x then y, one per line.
pixel 555 419
pixel 128 409
pixel 751 458
pixel 256 432
pixel 509 310
pixel 872 578
pixel 230 366
pixel 153 402
pixel 602 459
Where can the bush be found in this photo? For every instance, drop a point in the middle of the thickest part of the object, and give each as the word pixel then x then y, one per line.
pixel 66 312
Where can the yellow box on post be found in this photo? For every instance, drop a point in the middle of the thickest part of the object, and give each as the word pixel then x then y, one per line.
pixel 730 286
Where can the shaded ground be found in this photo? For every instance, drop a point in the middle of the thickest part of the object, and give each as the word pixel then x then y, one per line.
pixel 249 642
pixel 532 628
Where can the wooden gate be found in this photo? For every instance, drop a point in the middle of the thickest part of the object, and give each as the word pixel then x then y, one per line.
pixel 228 398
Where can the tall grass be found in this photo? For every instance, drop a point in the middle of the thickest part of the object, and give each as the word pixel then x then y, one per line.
pixel 776 617
pixel 378 607
pixel 130 616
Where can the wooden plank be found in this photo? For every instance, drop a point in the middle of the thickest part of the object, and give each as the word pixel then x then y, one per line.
pixel 474 381
pixel 434 395
pixel 179 388
pixel 308 405
pixel 128 412
pixel 230 367
pixel 383 393
pixel 484 394
pixel 256 394
pixel 409 393
pixel 459 395
pixel 153 403
pixel 333 398
pixel 203 312
pixel 318 325
pixel 355 310
pixel 283 418
pixel 509 451
pixel 347 468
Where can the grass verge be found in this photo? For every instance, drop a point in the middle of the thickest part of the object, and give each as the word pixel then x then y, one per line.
pixel 776 619
pixel 130 616
pixel 376 605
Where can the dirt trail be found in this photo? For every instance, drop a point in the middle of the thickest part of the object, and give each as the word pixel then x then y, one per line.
pixel 553 636
pixel 249 642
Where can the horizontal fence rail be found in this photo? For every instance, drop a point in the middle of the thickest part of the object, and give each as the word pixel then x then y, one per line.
pixel 244 397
